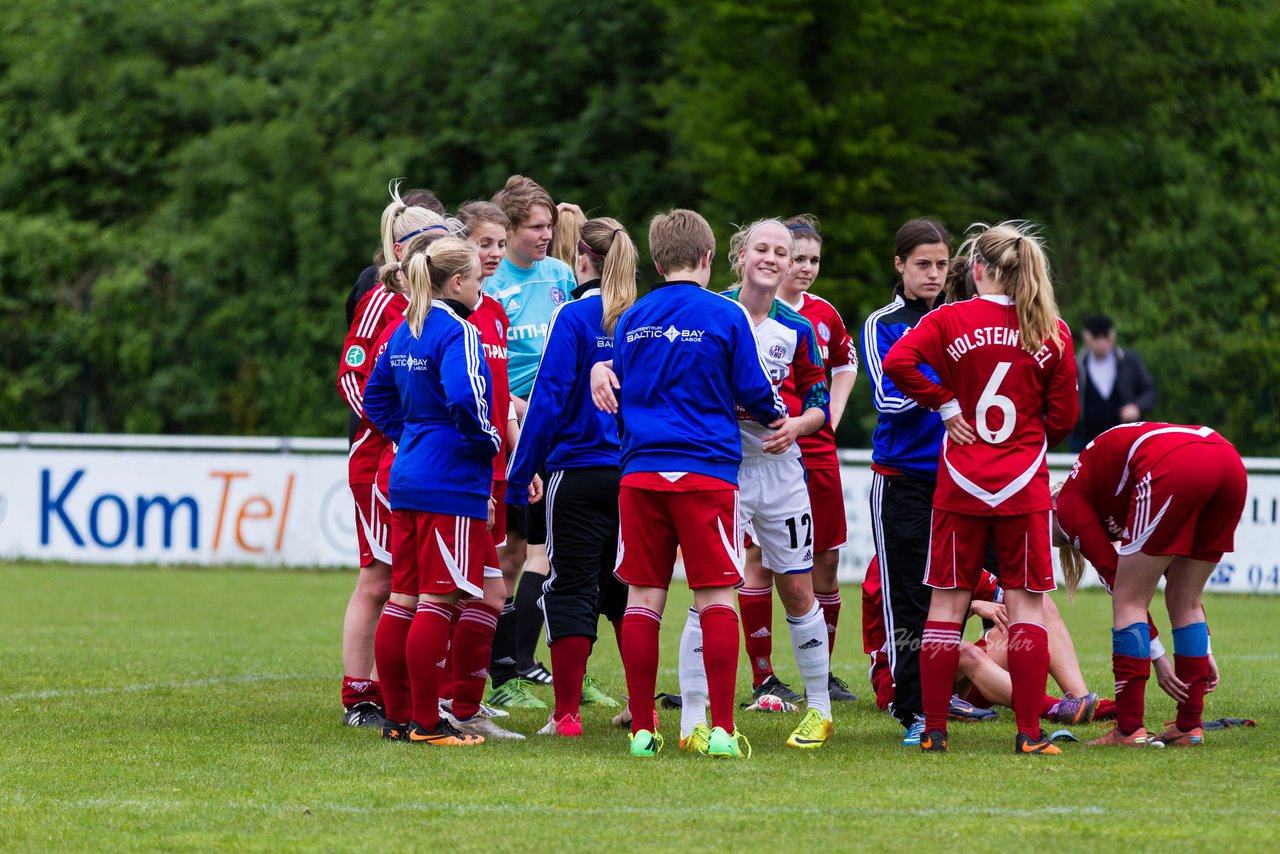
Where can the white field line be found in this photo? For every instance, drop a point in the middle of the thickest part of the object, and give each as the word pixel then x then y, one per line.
pixel 140 687
pixel 169 805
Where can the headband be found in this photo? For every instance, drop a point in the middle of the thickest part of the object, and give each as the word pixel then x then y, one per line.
pixel 403 240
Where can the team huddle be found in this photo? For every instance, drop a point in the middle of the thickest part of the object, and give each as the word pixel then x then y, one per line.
pixel 538 445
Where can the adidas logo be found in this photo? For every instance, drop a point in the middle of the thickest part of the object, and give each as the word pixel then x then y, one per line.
pixel 831 628
pixel 483 673
pixel 812 643
pixel 507 661
pixel 441 663
pixel 762 632
pixel 360 685
pixel 808 555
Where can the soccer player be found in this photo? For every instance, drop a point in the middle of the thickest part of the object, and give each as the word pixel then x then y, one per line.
pixel 773 501
pixel 530 286
pixel 361 695
pixel 822 473
pixel 430 393
pixel 579 447
pixel 1004 364
pixel 1173 496
pixel 683 357
pixel 904 453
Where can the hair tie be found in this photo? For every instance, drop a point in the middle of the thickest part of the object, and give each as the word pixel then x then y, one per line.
pixel 616 230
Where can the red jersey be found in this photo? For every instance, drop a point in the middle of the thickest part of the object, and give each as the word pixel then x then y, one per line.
pixel 493 324
pixel 375 312
pixel 1093 506
pixel 1019 404
pixel 839 354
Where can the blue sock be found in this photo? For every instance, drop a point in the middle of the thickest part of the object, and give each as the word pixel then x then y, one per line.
pixel 1133 640
pixel 1192 640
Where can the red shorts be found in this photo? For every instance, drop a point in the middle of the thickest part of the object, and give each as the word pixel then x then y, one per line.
pixel 958 549
pixel 438 553
pixel 881 679
pixel 499 532
pixel 373 523
pixel 826 502
pixel 1188 505
pixel 704 525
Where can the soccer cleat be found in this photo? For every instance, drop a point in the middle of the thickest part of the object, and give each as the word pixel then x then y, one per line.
pixel 721 745
pixel 697 741
pixel 645 744
pixel 1076 710
pixel 1138 738
pixel 934 741
pixel 593 696
pixel 443 735
pixel 364 714
pixel 538 674
pixel 623 718
pixel 482 726
pixel 839 690
pixel 769 703
pixel 491 712
pixel 394 732
pixel 963 710
pixel 1024 744
pixel 1174 737
pixel 914 733
pixel 777 688
pixel 569 726
pixel 812 733
pixel 669 701
pixel 514 694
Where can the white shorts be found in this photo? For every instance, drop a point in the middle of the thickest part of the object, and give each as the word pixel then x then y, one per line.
pixel 773 504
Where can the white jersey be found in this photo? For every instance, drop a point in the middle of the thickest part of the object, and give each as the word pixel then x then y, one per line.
pixel 777 344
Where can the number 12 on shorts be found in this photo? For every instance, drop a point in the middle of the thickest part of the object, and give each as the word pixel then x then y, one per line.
pixel 806 522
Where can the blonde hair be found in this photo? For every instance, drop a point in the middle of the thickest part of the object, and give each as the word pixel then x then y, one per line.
pixel 1070 557
pixel 390 274
pixel 430 270
pixel 518 198
pixel 564 238
pixel 679 239
pixel 401 221
pixel 738 244
pixel 609 249
pixel 1015 257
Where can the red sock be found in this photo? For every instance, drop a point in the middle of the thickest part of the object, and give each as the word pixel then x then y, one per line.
pixel 1131 690
pixel 756 604
pixel 472 643
pixel 1106 710
pixel 448 687
pixel 1046 706
pixel 389 643
pixel 1029 673
pixel 720 659
pixel 830 604
pixel 939 658
pixel 360 690
pixel 428 644
pixel 568 666
pixel 640 627
pixel 617 636
pixel 1194 671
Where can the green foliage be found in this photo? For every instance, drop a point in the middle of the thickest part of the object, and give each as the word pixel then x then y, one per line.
pixel 187 191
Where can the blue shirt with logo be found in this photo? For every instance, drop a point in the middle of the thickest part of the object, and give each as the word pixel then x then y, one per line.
pixel 529 297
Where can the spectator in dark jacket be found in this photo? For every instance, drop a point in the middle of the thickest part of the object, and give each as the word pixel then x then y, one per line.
pixel 1115 385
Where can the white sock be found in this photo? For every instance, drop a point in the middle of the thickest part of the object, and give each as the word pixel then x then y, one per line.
pixel 693 676
pixel 809 645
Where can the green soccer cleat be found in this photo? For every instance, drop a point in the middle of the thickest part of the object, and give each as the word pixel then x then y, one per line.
pixel 514 694
pixel 812 733
pixel 721 745
pixel 592 695
pixel 645 744
pixel 697 741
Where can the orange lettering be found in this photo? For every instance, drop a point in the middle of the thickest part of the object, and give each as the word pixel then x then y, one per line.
pixel 227 477
pixel 284 512
pixel 246 513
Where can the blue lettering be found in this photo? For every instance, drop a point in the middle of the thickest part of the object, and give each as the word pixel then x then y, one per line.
pixel 121 508
pixel 169 507
pixel 55 506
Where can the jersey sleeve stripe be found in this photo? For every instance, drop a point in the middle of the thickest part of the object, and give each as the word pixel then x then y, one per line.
pixel 875 367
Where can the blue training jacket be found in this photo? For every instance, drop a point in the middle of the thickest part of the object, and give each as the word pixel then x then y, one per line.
pixel 431 395
pixel 684 357
pixel 562 427
pixel 907 437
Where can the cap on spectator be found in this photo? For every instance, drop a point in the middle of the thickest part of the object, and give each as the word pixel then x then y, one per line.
pixel 1098 325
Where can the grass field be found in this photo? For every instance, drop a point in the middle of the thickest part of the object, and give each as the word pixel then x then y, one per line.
pixel 148 708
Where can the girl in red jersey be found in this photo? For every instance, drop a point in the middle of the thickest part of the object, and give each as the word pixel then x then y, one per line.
pixel 361 695
pixel 1006 366
pixel 1173 496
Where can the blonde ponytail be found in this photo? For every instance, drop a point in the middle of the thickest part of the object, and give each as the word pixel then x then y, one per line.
pixel 403 222
pixel 1015 256
pixel 608 246
pixel 429 271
